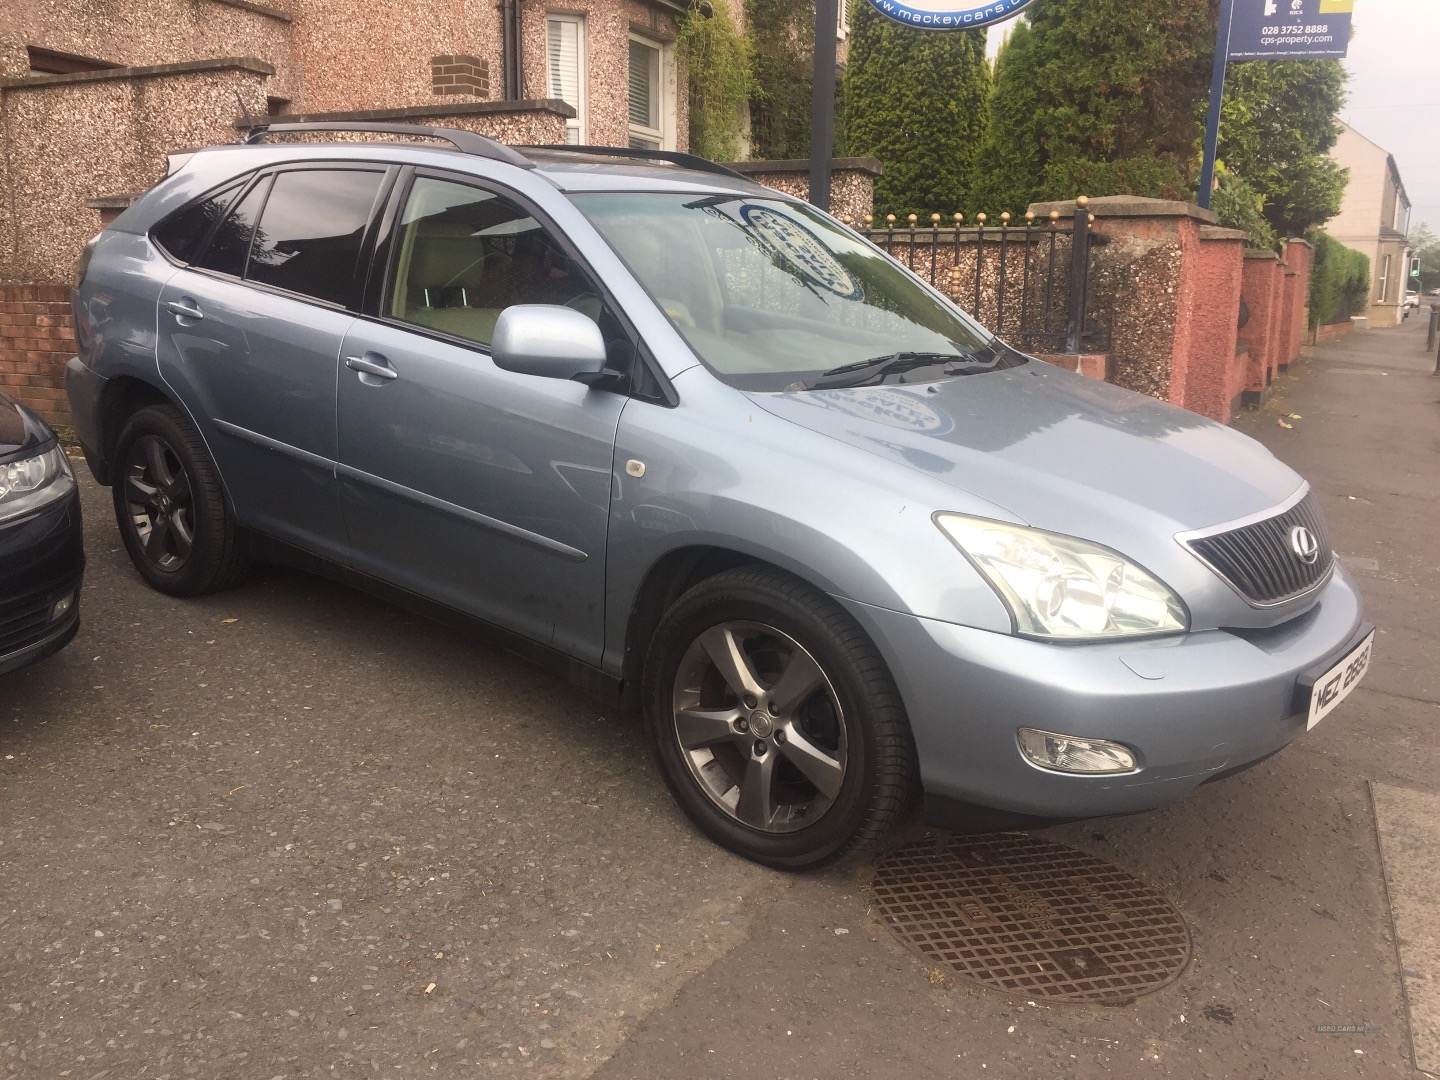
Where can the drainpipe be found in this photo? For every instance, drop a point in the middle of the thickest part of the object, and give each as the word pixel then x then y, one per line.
pixel 510 40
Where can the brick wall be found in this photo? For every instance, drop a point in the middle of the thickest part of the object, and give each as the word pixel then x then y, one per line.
pixel 453 74
pixel 36 338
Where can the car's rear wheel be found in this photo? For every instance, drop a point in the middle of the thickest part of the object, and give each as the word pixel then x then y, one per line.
pixel 171 508
pixel 775 721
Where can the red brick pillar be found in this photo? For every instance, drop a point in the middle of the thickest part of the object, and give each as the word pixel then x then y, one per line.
pixel 1166 280
pixel 36 338
pixel 1212 369
pixel 1260 289
pixel 1300 257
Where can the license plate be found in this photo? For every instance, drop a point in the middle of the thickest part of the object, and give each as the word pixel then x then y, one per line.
pixel 1335 685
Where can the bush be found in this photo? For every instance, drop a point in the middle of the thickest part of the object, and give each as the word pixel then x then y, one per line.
pixel 782 40
pixel 1238 205
pixel 717 62
pixel 917 101
pixel 1339 282
pixel 1097 97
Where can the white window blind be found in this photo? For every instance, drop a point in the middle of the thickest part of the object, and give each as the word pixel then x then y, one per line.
pixel 565 39
pixel 645 96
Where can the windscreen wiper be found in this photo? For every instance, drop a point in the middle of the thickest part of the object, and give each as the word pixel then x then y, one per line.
pixel 877 367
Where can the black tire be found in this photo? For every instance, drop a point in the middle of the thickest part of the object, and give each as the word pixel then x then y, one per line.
pixel 878 758
pixel 193 506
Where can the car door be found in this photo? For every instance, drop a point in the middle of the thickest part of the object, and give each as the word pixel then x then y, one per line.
pixel 484 489
pixel 249 335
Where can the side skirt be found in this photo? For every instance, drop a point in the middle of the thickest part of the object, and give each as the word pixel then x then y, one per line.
pixel 606 690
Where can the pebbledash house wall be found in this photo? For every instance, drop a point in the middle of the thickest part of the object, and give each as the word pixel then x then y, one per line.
pixel 188 73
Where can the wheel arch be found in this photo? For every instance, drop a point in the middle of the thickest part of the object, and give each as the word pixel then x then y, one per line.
pixel 122 397
pixel 666 580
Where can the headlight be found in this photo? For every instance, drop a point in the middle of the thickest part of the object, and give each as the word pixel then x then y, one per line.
pixel 1061 587
pixel 30 483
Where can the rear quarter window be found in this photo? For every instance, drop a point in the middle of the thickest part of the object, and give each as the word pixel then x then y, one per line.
pixel 182 235
pixel 230 245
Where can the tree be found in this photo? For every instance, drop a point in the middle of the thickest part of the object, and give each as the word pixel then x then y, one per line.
pixel 1425 246
pixel 717 66
pixel 1277 126
pixel 1114 85
pixel 782 36
pixel 916 100
pixel 1009 161
pixel 1238 205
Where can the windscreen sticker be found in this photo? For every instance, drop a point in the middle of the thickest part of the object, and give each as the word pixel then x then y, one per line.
pixel 807 256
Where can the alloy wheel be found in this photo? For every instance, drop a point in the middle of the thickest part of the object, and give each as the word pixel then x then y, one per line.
pixel 159 503
pixel 759 726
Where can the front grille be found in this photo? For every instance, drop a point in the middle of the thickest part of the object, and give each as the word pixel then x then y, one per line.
pixel 24 622
pixel 1258 559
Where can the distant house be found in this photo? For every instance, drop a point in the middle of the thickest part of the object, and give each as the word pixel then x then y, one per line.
pixel 1374 219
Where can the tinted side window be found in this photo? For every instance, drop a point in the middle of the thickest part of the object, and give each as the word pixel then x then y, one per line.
pixel 464 255
pixel 182 233
pixel 231 242
pixel 309 236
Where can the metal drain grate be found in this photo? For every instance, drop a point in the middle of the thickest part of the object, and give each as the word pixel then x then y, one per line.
pixel 1030 916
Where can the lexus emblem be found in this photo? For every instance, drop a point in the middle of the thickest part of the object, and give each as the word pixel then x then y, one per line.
pixel 1304 544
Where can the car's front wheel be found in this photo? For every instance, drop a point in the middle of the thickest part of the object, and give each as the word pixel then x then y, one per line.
pixel 170 506
pixel 775 721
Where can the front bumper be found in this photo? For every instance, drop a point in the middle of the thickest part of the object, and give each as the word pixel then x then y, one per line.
pixel 42 559
pixel 1192 707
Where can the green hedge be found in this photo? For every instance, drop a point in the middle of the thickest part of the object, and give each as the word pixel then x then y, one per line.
pixel 1339 282
pixel 717 62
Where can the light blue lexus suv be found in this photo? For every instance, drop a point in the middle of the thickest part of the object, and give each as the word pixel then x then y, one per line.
pixel 710 452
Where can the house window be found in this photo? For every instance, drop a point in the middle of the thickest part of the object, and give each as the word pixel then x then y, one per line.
pixel 1384 277
pixel 843 19
pixel 565 38
pixel 647 95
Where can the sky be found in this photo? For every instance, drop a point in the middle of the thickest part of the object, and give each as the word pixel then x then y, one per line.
pixel 1394 92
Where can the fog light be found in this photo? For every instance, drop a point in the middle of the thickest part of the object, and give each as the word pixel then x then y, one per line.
pixel 62 606
pixel 1066 753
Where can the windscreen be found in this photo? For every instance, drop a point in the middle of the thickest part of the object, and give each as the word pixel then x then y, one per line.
pixel 771 294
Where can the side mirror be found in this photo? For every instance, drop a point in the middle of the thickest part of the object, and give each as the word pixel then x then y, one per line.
pixel 548 340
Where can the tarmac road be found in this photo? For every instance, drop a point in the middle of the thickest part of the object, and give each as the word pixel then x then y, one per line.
pixel 289 831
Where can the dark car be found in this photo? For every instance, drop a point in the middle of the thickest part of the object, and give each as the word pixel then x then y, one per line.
pixel 42 556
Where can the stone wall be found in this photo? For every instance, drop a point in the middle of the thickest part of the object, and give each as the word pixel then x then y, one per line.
pixel 852 182
pixel 1166 285
pixel 67 139
pixel 1021 289
pixel 144 33
pixel 517 122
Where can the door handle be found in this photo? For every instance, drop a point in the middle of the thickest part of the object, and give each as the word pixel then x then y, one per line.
pixel 183 310
pixel 370 367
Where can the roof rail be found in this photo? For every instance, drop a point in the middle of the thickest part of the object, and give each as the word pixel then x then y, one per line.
pixel 674 157
pixel 465 141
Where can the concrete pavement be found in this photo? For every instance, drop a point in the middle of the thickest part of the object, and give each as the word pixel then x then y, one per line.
pixel 288 831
